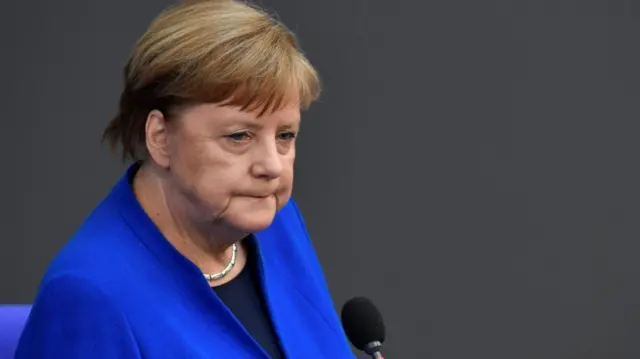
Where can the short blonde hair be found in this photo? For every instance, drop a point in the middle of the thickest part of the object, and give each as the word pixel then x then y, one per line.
pixel 216 51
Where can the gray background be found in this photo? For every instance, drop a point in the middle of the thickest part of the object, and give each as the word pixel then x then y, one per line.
pixel 472 166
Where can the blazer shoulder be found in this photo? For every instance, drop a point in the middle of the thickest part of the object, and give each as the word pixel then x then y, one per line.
pixel 72 318
pixel 96 247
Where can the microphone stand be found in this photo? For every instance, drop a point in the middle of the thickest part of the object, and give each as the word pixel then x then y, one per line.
pixel 373 349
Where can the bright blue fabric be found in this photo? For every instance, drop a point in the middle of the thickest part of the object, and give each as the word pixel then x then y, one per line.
pixel 119 290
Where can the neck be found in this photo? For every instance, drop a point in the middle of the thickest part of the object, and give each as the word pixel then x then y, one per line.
pixel 206 244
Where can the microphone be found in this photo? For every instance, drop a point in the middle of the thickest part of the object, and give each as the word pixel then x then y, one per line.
pixel 362 322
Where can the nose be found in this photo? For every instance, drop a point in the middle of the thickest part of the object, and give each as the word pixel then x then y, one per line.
pixel 268 162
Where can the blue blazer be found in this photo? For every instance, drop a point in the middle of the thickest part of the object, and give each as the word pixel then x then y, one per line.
pixel 119 290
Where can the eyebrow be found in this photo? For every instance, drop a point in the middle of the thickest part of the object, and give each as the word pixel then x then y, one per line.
pixel 236 120
pixel 255 125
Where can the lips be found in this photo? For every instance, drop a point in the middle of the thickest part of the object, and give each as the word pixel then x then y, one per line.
pixel 260 196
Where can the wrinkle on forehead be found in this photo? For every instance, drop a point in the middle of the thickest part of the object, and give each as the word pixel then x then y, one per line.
pixel 225 115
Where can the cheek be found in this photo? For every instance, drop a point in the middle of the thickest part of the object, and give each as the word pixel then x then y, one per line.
pixel 190 164
pixel 286 179
pixel 205 174
pixel 219 179
pixel 188 155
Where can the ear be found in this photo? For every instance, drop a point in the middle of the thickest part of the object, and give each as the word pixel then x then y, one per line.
pixel 157 138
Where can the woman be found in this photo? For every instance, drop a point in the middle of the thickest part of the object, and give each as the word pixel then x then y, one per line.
pixel 198 251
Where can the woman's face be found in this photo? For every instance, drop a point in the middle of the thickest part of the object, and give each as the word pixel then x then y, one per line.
pixel 232 166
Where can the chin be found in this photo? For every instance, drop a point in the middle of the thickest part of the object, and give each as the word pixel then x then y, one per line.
pixel 252 215
pixel 251 224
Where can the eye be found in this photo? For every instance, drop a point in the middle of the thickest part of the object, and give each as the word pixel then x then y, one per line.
pixel 239 136
pixel 287 136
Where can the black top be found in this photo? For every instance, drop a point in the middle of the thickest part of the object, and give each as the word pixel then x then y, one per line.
pixel 244 297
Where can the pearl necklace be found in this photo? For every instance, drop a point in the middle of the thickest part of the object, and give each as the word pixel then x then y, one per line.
pixel 226 270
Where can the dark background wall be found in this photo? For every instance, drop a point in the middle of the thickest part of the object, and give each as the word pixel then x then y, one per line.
pixel 472 166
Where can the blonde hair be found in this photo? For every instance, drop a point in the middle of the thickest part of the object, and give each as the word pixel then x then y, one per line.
pixel 216 51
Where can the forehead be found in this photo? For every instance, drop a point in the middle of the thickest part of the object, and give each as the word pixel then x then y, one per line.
pixel 222 115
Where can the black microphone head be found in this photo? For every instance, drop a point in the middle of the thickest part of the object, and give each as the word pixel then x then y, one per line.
pixel 362 322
